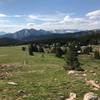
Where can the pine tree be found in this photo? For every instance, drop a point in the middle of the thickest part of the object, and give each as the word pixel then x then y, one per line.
pixel 30 49
pixel 71 57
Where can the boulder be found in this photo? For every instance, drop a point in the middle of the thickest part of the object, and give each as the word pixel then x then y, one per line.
pixel 84 75
pixel 12 83
pixel 71 72
pixel 72 96
pixel 93 83
pixel 90 96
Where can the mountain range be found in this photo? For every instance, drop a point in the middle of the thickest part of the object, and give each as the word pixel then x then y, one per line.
pixel 28 35
pixel 23 34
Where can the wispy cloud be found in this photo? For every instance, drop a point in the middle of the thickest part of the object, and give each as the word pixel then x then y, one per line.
pixel 91 20
pixel 45 17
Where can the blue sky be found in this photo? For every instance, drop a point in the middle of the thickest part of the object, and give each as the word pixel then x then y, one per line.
pixel 49 14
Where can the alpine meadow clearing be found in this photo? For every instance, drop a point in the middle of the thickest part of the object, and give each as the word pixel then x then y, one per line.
pixel 42 76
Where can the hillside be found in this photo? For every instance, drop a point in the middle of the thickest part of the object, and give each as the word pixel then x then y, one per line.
pixel 24 77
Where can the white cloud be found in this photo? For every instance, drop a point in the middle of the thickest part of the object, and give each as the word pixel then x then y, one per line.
pixel 50 22
pixel 3 15
pixel 67 22
pixel 69 19
pixel 93 14
pixel 31 25
pixel 45 17
pixel 11 28
pixel 33 17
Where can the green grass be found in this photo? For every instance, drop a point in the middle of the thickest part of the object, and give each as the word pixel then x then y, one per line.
pixel 43 78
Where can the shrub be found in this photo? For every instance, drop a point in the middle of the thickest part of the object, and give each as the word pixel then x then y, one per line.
pixel 87 50
pixel 90 48
pixel 96 54
pixel 40 49
pixel 35 48
pixel 59 52
pixel 53 50
pixel 23 48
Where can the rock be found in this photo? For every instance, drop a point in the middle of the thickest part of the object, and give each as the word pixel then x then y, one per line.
pixel 79 51
pixel 84 75
pixel 21 93
pixel 90 96
pixel 4 75
pixel 91 71
pixel 72 96
pixel 76 74
pixel 92 83
pixel 71 72
pixel 12 83
pixel 95 89
pixel 86 71
pixel 94 74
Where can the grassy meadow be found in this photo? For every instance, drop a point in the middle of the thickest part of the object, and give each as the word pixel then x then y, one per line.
pixel 41 77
